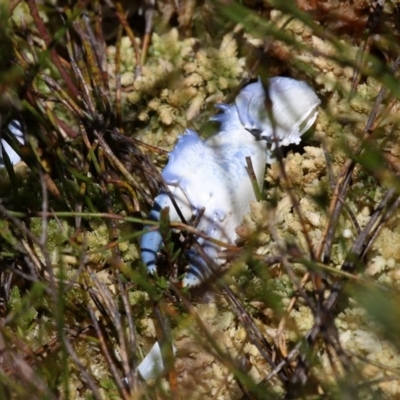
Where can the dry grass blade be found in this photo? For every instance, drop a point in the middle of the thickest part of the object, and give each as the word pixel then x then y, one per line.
pixel 131 35
pixel 54 56
pixel 373 19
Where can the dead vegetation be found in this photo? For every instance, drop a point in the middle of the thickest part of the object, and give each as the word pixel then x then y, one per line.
pixel 309 306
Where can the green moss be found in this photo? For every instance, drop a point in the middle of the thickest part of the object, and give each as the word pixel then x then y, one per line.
pixel 26 312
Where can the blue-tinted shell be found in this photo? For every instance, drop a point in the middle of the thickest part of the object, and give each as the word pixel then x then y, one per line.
pixel 213 174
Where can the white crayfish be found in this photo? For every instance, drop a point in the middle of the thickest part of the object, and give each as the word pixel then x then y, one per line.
pixel 212 176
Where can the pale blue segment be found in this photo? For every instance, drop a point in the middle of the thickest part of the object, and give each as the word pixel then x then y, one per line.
pixel 150 242
pixel 16 130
